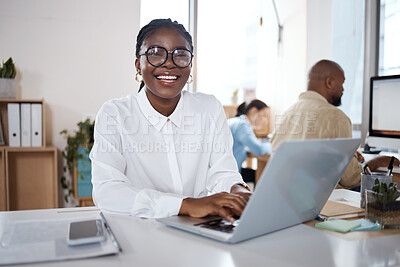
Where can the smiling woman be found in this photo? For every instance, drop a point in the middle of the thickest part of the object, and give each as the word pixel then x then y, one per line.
pixel 165 151
pixel 164 79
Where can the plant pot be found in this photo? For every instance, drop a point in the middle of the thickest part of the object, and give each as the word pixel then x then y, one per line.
pixel 388 215
pixel 368 181
pixel 234 100
pixel 8 88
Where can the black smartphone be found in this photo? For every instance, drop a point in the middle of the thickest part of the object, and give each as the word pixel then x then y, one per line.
pixel 85 232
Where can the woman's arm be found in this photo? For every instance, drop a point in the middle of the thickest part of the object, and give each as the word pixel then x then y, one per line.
pixel 229 197
pixel 245 135
pixel 112 189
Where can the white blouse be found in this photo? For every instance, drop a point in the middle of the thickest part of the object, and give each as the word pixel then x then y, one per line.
pixel 144 164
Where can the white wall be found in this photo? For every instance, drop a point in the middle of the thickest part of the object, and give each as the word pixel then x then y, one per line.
pixel 75 54
pixel 319 31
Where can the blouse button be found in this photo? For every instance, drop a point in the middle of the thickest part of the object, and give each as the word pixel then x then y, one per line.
pixel 168 119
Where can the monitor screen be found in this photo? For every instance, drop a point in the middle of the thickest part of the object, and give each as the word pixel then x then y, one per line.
pixel 384 116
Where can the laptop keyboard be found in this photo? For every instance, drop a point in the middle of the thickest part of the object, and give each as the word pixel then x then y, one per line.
pixel 219 225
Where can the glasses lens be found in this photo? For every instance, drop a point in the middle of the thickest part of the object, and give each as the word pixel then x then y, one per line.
pixel 157 56
pixel 182 58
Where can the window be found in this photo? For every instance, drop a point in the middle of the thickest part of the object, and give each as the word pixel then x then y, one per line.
pixel 348 50
pixel 160 9
pixel 238 48
pixel 227 50
pixel 389 41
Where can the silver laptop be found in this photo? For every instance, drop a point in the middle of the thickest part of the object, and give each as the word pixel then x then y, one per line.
pixel 293 188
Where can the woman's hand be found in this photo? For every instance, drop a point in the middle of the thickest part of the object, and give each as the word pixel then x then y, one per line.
pixel 223 204
pixel 241 190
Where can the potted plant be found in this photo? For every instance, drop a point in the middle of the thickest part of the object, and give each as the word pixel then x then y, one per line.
pixel 8 85
pixel 77 150
pixel 235 97
pixel 382 205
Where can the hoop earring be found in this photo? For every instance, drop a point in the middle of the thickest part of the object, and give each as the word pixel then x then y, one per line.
pixel 138 77
pixel 190 80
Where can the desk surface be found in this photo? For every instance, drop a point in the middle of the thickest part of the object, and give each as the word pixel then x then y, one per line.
pixel 146 242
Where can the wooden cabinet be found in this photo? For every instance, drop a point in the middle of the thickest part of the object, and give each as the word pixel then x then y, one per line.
pixel 230 111
pixel 28 175
pixel 31 178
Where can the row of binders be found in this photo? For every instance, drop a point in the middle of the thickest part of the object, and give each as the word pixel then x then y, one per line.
pixel 25 124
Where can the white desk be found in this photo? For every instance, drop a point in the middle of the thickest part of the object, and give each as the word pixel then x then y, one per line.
pixel 149 243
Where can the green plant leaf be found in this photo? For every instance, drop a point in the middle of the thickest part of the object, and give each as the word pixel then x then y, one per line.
pixel 8 70
pixel 385 194
pixel 82 137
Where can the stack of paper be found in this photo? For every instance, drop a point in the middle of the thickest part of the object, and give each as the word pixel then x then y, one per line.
pixel 40 241
pixel 338 225
pixel 336 210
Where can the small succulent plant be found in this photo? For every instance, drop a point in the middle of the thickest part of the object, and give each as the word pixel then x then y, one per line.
pixel 8 70
pixel 385 194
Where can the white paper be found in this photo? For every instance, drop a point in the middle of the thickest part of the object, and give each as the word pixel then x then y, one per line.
pixel 39 241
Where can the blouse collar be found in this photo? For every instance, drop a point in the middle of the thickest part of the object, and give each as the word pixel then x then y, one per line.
pixel 154 117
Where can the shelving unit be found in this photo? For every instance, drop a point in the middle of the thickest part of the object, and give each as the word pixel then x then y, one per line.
pixel 28 175
pixel 3 202
pixel 4 116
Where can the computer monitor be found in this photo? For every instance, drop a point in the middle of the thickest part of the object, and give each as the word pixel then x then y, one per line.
pixel 384 112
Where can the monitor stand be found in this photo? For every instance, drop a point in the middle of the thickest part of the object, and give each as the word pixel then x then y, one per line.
pixel 370 150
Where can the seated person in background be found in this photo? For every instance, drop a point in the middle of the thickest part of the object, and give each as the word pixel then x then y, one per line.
pixel 316 116
pixel 250 116
pixel 147 159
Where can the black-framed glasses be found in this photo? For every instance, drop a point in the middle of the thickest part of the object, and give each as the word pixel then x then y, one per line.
pixel 157 55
